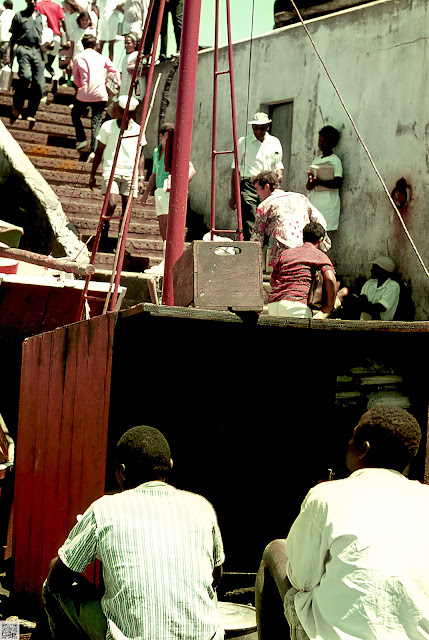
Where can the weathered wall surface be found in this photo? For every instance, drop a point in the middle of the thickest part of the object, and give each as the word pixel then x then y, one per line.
pixel 377 56
pixel 32 204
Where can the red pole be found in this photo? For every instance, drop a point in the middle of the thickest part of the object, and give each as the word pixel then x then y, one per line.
pixel 182 143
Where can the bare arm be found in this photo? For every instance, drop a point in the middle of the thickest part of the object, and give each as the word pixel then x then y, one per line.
pixel 60 576
pixel 233 198
pixel 217 575
pixel 336 183
pixel 150 187
pixel 95 163
pixel 191 173
pixel 330 282
pixel 141 171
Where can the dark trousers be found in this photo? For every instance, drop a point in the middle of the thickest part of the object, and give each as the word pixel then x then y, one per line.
pixel 150 35
pixel 79 110
pixel 75 612
pixel 249 204
pixel 31 79
pixel 175 7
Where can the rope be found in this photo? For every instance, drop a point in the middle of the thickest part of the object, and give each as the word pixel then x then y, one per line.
pixel 362 143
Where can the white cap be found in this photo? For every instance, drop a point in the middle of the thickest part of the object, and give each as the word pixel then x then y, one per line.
pixel 385 263
pixel 122 101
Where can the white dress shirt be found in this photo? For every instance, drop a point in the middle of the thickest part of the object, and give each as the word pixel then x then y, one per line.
pixel 387 295
pixel 358 554
pixel 255 156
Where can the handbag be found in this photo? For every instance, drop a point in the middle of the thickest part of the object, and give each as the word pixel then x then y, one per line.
pixel 112 85
pixel 317 293
pixel 6 78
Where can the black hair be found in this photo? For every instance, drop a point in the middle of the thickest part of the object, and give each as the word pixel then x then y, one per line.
pixel 267 177
pixel 89 41
pixel 331 135
pixel 393 435
pixel 83 14
pixel 167 126
pixel 8 4
pixel 145 453
pixel 312 232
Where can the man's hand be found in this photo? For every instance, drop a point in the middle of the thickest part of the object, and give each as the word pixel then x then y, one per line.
pixel 92 182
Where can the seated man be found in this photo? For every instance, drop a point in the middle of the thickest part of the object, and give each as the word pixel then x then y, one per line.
pixel 293 274
pixel 161 554
pixel 355 563
pixel 283 214
pixel 379 296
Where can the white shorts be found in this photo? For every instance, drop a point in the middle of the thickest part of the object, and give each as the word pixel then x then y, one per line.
pixel 56 41
pixel 162 202
pixel 289 309
pixel 121 185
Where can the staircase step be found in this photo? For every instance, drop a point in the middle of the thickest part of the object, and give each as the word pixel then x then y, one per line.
pixel 47 151
pixel 50 145
pixel 42 127
pixel 40 137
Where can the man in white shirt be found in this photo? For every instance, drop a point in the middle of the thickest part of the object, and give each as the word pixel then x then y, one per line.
pixel 161 553
pixel 379 296
pixel 107 140
pixel 257 152
pixel 355 563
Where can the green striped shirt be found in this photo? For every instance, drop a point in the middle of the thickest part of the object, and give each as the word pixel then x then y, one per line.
pixel 158 547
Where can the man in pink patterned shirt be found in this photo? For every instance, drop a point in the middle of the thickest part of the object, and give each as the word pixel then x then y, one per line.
pixel 283 214
pixel 89 75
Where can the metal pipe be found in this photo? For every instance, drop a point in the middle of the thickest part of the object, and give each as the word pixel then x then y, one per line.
pixel 182 143
pixel 234 124
pixel 214 124
pixel 62 264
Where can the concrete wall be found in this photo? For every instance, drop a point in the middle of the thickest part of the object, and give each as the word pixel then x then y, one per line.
pixel 377 56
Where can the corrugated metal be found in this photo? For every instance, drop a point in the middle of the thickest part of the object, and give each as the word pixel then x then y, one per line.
pixel 62 440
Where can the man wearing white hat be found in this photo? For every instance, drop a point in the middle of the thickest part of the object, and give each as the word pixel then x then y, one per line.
pixel 379 296
pixel 257 152
pixel 106 146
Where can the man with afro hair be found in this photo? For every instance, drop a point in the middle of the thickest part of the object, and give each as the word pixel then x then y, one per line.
pixel 161 554
pixel 355 565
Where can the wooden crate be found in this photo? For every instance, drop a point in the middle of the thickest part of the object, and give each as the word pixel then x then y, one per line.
pixel 208 278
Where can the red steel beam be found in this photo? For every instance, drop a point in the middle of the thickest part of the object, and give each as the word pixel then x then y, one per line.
pixel 182 143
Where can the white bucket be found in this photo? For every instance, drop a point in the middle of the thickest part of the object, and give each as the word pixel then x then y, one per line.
pixel 238 621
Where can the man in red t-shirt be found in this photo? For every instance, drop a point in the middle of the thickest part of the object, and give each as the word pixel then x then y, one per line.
pixel 56 21
pixel 294 272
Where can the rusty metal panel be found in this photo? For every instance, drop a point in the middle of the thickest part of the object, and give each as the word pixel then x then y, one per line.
pixel 62 440
pixel 219 275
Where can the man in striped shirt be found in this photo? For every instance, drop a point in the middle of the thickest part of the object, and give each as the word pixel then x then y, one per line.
pixel 161 553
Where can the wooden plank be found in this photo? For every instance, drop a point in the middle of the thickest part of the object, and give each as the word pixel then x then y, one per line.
pixel 52 532
pixel 40 425
pixel 25 463
pixel 79 348
pixel 100 343
pixel 65 470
